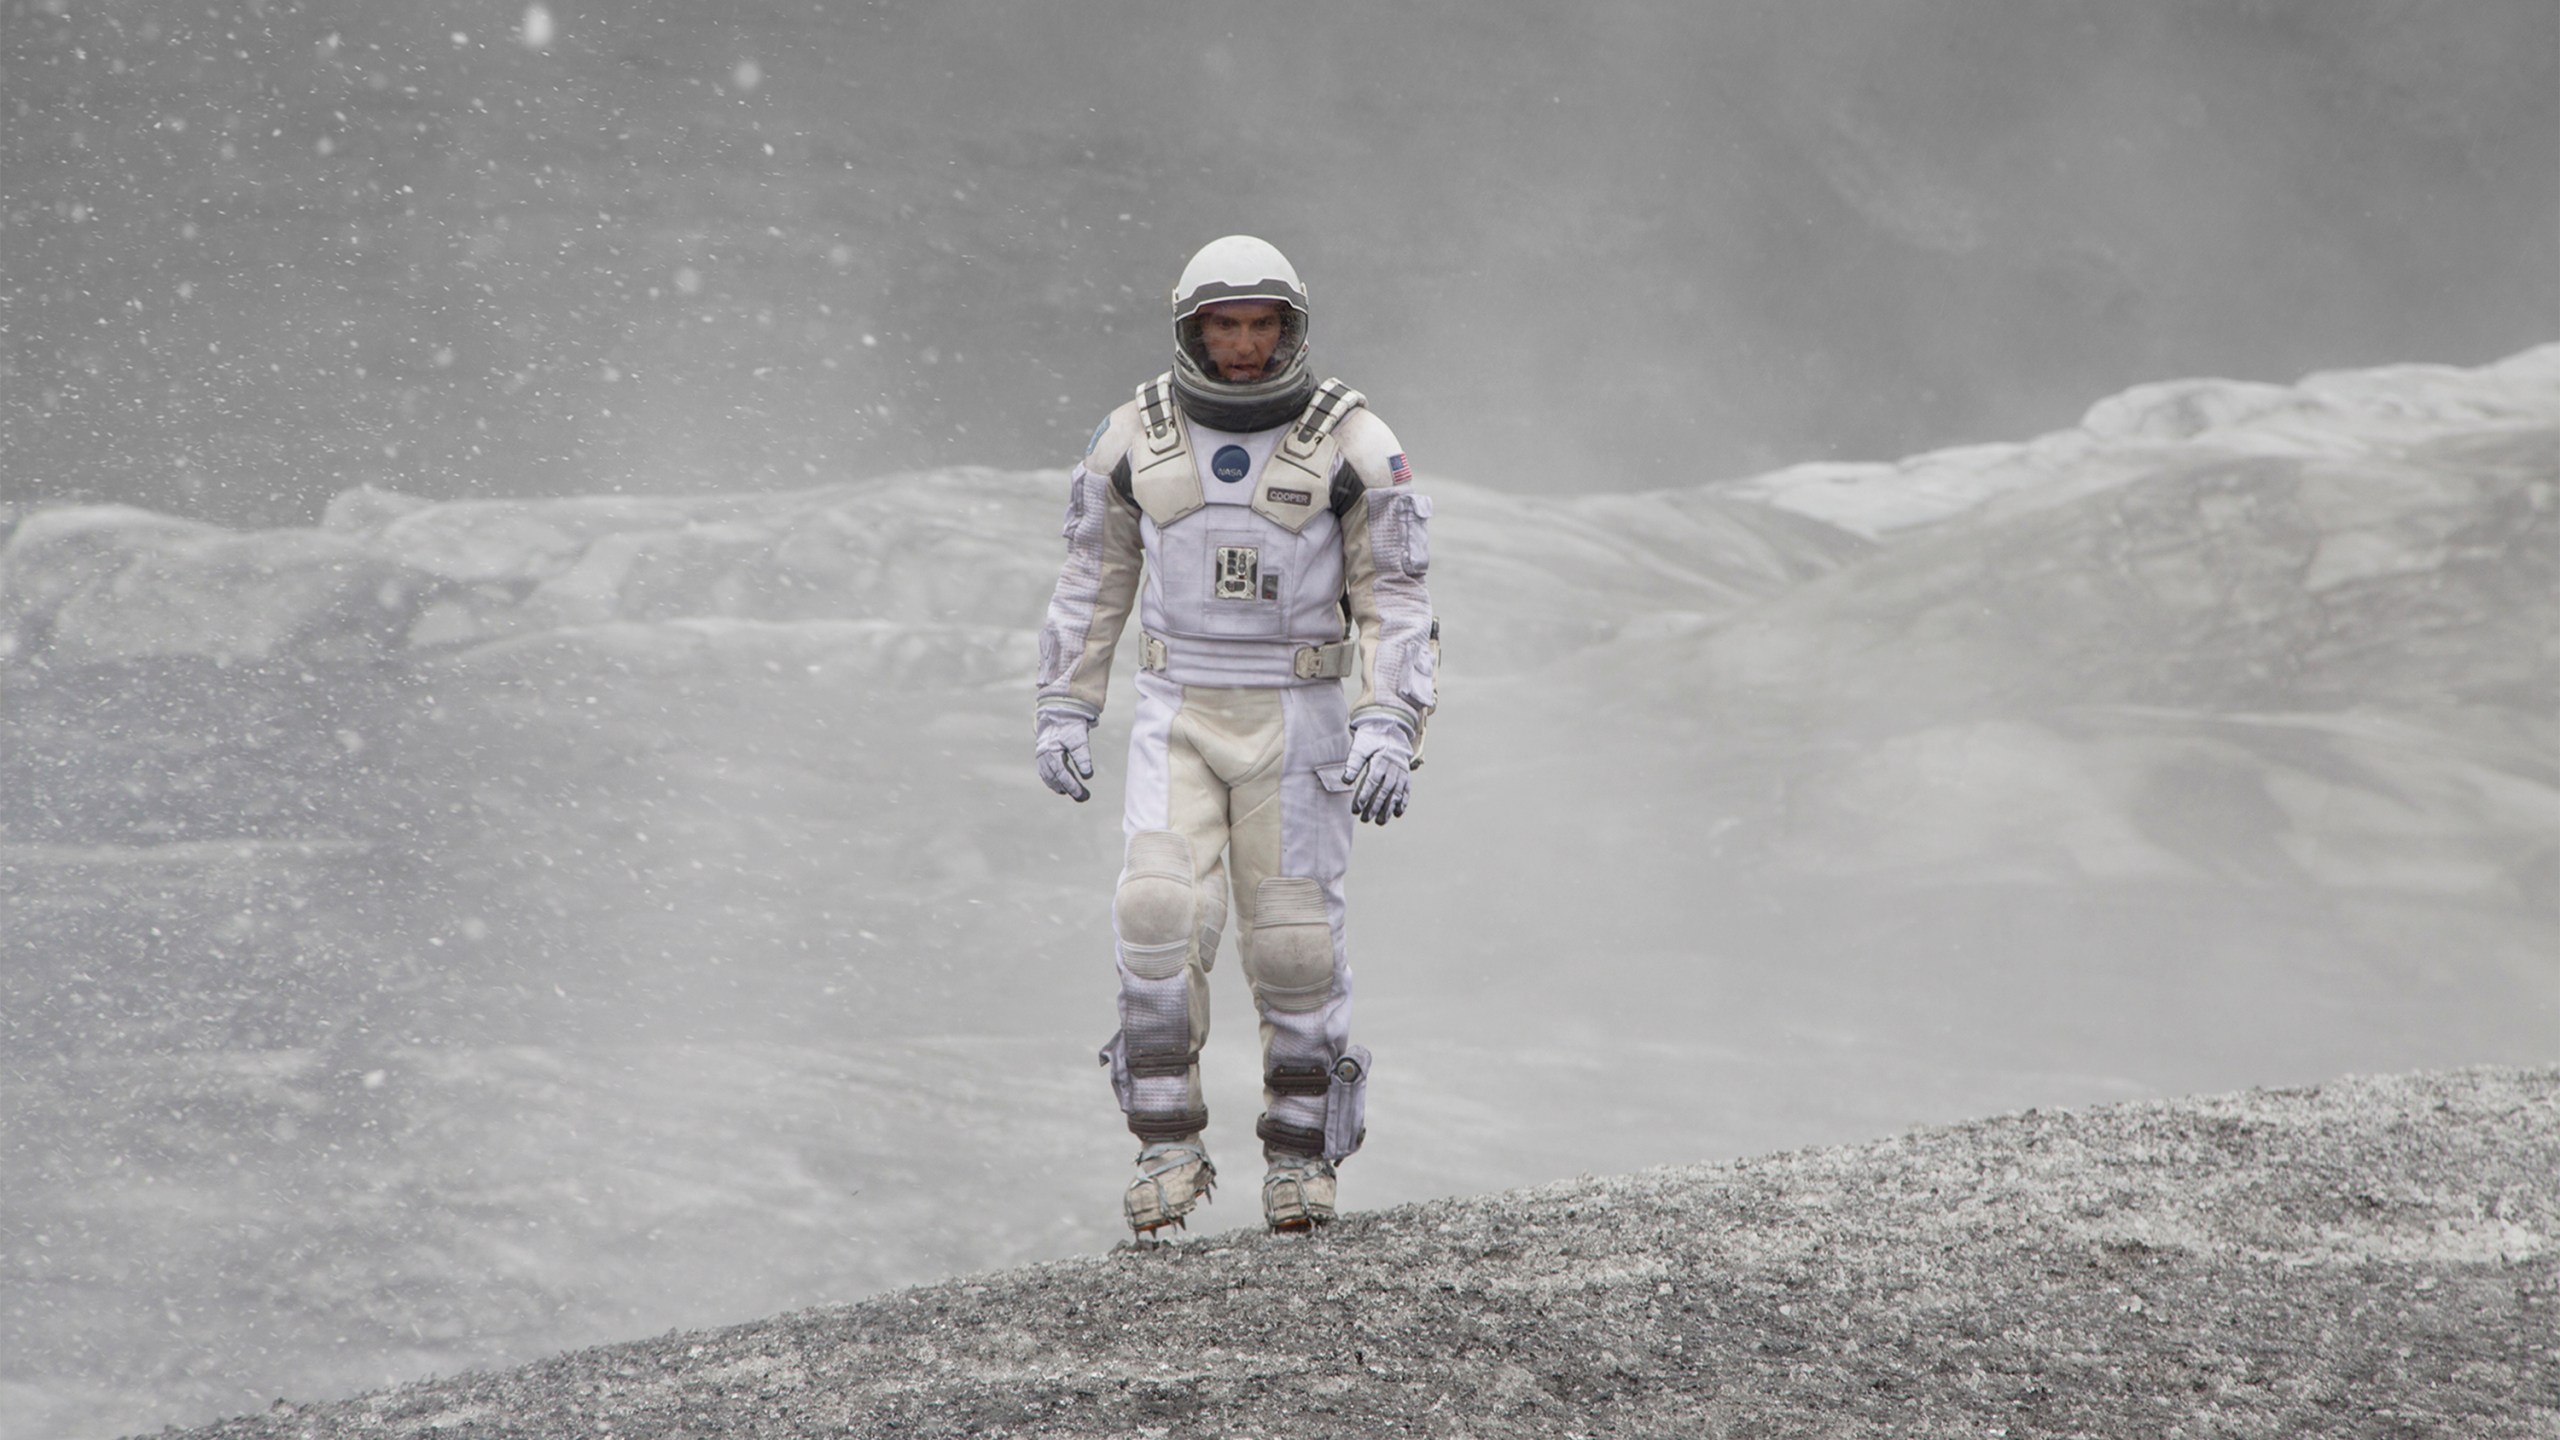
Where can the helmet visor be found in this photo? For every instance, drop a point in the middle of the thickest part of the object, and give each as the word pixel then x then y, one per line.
pixel 1291 344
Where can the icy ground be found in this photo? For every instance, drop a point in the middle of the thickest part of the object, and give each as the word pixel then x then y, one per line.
pixel 2369 1258
pixel 463 931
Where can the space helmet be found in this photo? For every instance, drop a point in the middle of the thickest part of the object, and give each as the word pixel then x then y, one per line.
pixel 1240 267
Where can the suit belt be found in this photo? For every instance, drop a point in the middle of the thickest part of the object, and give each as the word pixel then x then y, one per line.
pixel 1306 662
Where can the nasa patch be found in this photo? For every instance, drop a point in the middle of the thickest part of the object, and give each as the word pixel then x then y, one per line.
pixel 1231 463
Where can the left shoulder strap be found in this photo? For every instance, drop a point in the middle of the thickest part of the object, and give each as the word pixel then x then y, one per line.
pixel 1295 485
pixel 1332 401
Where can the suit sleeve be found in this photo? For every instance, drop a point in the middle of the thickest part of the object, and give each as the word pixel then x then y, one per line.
pixel 1386 566
pixel 1098 584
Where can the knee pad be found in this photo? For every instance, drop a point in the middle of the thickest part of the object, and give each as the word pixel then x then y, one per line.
pixel 1157 912
pixel 1290 961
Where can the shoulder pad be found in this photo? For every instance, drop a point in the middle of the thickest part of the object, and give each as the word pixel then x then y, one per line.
pixel 1371 458
pixel 1109 446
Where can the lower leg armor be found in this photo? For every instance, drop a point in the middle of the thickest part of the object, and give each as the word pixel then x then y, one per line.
pixel 1314 1082
pixel 1164 1001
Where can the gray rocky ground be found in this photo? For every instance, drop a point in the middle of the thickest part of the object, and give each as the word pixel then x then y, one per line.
pixel 2372 1257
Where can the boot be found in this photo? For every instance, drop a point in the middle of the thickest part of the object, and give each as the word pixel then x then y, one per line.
pixel 1173 1176
pixel 1297 1193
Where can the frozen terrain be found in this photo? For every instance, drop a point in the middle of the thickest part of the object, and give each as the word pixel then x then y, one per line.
pixel 462 931
pixel 2373 1257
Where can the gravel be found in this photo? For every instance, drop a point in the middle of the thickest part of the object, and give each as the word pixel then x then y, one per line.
pixel 2371 1257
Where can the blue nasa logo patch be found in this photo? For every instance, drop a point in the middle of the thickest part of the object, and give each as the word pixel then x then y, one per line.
pixel 1230 463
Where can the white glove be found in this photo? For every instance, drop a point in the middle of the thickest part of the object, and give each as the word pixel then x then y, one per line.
pixel 1380 771
pixel 1064 753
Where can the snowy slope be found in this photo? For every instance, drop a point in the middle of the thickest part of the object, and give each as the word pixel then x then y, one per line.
pixel 965 548
pixel 2175 423
pixel 2221 630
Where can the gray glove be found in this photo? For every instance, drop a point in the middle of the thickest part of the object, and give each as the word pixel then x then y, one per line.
pixel 1063 751
pixel 1380 771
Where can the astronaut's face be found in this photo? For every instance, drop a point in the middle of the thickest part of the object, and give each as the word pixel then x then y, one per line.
pixel 1240 336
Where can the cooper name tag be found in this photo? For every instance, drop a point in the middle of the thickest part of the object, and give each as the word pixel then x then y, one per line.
pixel 1289 497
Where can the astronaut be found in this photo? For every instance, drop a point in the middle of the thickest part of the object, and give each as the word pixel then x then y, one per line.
pixel 1267 532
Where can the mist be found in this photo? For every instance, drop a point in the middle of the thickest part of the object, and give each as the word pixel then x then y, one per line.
pixel 522 527
pixel 256 253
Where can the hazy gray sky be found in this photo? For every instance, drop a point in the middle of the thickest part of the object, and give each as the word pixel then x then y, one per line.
pixel 258 250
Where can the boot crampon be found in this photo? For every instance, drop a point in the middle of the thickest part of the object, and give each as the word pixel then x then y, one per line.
pixel 1173 1176
pixel 1297 1194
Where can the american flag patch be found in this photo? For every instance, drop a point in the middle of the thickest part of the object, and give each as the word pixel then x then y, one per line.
pixel 1398 472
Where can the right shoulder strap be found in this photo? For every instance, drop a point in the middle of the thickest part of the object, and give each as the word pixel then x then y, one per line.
pixel 1163 479
pixel 1158 422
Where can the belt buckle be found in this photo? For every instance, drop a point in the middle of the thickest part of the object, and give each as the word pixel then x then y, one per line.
pixel 1307 663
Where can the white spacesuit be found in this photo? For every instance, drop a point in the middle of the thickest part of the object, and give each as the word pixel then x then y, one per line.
pixel 1266 531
